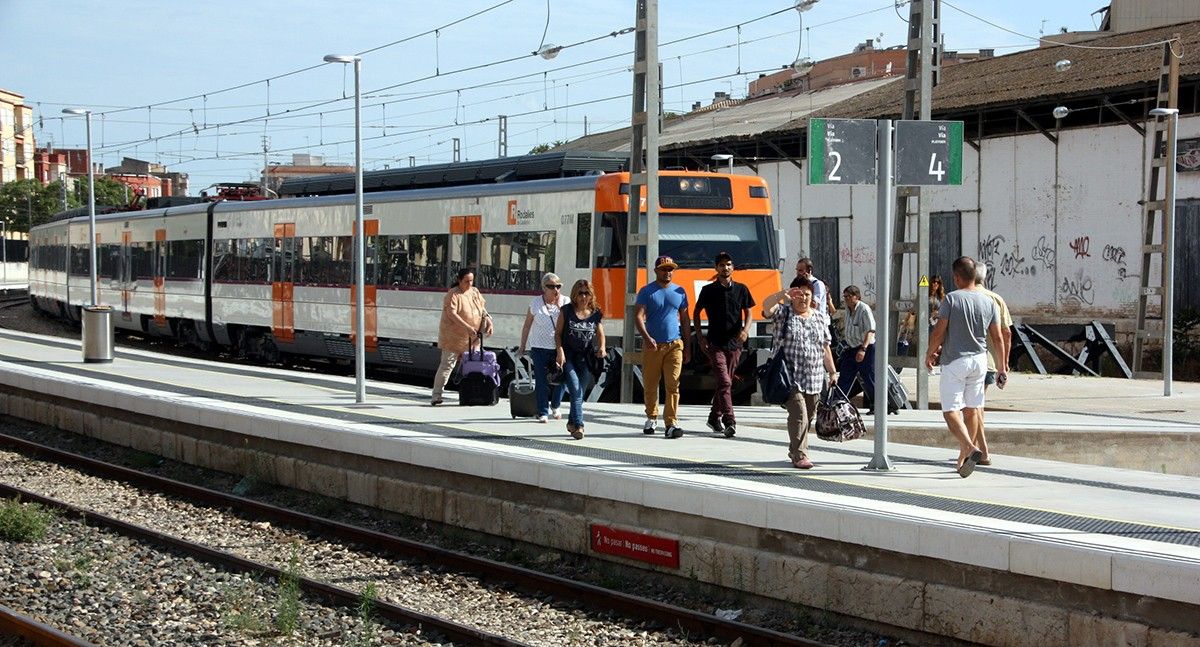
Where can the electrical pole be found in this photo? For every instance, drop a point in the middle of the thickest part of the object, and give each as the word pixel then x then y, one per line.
pixel 502 140
pixel 266 145
pixel 457 150
pixel 920 77
pixel 643 172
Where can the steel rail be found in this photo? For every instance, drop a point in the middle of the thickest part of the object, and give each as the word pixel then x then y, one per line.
pixel 588 595
pixel 13 623
pixel 344 597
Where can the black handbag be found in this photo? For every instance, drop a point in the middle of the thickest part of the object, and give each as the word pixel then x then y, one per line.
pixel 775 376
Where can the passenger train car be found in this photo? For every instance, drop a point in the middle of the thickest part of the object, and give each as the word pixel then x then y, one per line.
pixel 274 277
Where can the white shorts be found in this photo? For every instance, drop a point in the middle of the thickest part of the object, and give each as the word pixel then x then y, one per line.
pixel 962 382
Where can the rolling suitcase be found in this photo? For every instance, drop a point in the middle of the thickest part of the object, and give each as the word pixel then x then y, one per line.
pixel 480 383
pixel 522 403
pixel 897 395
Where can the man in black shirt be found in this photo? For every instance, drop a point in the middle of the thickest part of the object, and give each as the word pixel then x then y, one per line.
pixel 726 303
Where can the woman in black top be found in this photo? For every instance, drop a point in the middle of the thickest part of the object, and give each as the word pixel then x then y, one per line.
pixel 579 333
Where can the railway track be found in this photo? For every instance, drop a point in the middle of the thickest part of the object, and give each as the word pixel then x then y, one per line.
pixel 693 624
pixel 13 298
pixel 22 626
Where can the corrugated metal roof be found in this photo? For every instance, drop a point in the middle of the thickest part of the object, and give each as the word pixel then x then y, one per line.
pixel 1029 76
pixel 744 119
pixel 1012 80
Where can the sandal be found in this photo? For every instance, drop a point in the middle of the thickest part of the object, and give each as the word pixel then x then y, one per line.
pixel 575 431
pixel 802 463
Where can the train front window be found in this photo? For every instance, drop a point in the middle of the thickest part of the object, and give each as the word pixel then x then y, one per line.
pixel 694 240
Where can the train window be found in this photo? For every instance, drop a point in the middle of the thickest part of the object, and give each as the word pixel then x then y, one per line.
pixel 224 264
pixel 515 261
pixel 343 260
pixel 583 240
pixel 183 259
pixel 80 260
pixel 255 256
pixel 110 261
pixel 610 240
pixel 141 260
pixel 418 260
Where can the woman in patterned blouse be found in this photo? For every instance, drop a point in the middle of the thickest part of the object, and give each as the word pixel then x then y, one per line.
pixel 802 335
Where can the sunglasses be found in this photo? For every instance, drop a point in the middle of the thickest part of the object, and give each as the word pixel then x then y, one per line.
pixel 551 286
pixel 583 293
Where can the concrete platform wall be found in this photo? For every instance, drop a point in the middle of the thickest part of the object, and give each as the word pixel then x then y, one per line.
pixel 914 593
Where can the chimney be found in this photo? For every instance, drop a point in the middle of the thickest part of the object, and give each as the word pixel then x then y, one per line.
pixel 987 53
pixel 696 106
pixel 719 96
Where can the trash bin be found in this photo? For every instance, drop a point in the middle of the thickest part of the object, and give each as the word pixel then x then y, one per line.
pixel 97 334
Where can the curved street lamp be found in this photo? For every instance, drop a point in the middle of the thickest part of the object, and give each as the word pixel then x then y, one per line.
pixel 87 114
pixel 360 280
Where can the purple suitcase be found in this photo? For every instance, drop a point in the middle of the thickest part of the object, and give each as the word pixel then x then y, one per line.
pixel 480 361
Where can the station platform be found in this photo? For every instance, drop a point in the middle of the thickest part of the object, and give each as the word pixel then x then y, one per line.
pixel 1026 551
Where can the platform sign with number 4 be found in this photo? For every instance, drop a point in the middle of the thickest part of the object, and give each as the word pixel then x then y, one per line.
pixel 929 153
pixel 841 151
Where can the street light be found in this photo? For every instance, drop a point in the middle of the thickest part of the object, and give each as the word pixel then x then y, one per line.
pixel 724 157
pixel 1168 307
pixel 360 273
pixel 91 203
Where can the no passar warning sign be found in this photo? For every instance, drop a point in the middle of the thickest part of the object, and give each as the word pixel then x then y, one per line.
pixel 635 545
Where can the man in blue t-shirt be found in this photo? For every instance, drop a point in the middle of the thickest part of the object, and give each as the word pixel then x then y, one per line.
pixel 666 333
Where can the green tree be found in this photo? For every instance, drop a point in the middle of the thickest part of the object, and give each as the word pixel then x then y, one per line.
pixel 24 200
pixel 546 148
pixel 108 191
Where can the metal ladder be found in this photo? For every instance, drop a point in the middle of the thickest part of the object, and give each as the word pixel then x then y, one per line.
pixel 1154 218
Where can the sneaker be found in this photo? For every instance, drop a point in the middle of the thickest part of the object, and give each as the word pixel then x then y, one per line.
pixel 436 402
pixel 673 432
pixel 715 425
pixel 541 418
pixel 730 427
pixel 556 414
pixel 650 426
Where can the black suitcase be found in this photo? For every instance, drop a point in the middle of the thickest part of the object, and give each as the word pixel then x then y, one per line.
pixel 477 389
pixel 897 395
pixel 522 402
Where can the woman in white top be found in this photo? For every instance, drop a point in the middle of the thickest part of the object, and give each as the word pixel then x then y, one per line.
pixel 538 335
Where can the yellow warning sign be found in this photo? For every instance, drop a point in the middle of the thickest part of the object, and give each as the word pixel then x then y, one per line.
pixel 924 282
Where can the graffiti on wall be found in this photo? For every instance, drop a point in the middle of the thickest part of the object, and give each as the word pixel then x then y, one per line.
pixel 1044 254
pixel 861 255
pixel 1005 260
pixel 868 287
pixel 1082 246
pixel 1077 289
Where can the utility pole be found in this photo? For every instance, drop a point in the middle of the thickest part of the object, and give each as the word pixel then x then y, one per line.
pixel 266 145
pixel 920 77
pixel 643 172
pixel 457 150
pixel 502 140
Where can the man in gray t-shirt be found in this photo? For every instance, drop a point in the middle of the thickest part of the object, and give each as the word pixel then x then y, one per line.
pixel 966 319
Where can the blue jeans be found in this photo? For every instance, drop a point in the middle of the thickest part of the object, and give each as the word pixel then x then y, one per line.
pixel 848 368
pixel 576 376
pixel 547 397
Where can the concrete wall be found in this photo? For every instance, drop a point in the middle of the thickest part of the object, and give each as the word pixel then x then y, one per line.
pixel 1058 224
pixel 14 273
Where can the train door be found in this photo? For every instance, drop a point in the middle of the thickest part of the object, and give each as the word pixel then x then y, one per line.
pixel 283 309
pixel 464 243
pixel 160 273
pixel 123 274
pixel 370 319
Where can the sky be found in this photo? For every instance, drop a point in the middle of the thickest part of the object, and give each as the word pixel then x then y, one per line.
pixel 198 86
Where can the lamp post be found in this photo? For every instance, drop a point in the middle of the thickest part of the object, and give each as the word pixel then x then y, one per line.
pixel 1168 241
pixel 360 274
pixel 95 299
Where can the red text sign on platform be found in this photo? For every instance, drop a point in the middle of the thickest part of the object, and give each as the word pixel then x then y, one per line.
pixel 635 545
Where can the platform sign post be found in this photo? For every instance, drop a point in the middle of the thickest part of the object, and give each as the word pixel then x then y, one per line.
pixel 885 205
pixel 841 151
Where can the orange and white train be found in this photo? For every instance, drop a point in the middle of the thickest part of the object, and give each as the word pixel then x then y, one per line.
pixel 274 277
